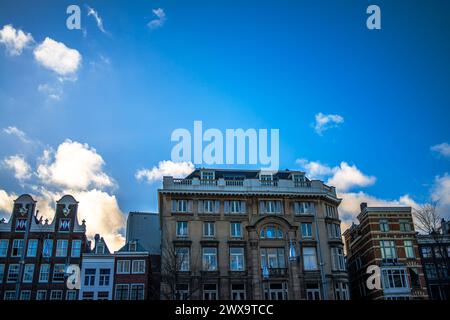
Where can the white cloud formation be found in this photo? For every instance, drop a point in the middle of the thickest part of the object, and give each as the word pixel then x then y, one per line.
pixel 344 177
pixel 74 166
pixel 56 56
pixel 14 131
pixel 165 168
pixel 442 148
pixel 52 92
pixel 6 201
pixel 440 191
pixel 160 19
pixel 326 121
pixel 15 40
pixel 17 163
pixel 92 12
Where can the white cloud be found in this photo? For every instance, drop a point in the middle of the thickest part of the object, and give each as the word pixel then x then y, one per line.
pixel 15 40
pixel 74 166
pixel 159 21
pixel 14 131
pixel 6 201
pixel 21 168
pixel 52 92
pixel 440 191
pixel 344 177
pixel 443 149
pixel 165 168
pixel 98 19
pixel 326 121
pixel 56 56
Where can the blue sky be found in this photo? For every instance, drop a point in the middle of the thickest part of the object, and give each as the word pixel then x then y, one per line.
pixel 243 64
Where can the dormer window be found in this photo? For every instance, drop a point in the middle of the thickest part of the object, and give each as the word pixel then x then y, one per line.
pixel 207 175
pixel 132 246
pixel 100 249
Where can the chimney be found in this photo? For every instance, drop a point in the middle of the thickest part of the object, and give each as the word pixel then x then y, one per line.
pixel 363 205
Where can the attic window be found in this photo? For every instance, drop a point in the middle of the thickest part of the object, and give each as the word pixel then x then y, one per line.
pixel 132 246
pixel 207 175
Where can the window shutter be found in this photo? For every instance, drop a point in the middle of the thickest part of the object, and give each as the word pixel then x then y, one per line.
pixel 200 206
pixel 174 205
pixel 217 206
pixel 262 207
pixel 243 207
pixel 189 204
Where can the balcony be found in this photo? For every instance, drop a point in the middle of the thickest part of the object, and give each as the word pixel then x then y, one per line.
pixel 276 272
pixel 248 185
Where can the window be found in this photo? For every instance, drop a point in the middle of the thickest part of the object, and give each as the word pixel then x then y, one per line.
pixel 427 252
pixel 273 258
pixel 331 211
pixel 182 228
pixel 88 295
pixel 409 249
pixel 138 266
pixel 103 295
pixel 266 178
pixel 438 252
pixel 430 270
pixel 304 207
pixel 47 248
pixel 235 230
pixel 137 292
pixel 394 278
pixel 238 291
pixel 341 291
pixel 56 295
pixel 2 272
pixel 306 230
pixel 3 247
pixel 207 175
pixel 181 205
pixel 76 249
pixel 41 295
pixel 13 273
pixel 405 226
pixel 208 206
pixel 122 292
pixel 442 270
pixel 58 272
pixel 123 266
pixel 338 259
pixel 210 259
pixel 71 295
pixel 270 207
pixel 182 254
pixel 44 273
pixel 28 272
pixel 312 291
pixel 182 291
pixel 100 248
pixel 309 258
pixel 210 291
pixel 17 248
pixel 105 275
pixel 334 231
pixel 384 225
pixel 388 251
pixel 32 248
pixel 208 229
pixel 236 259
pixel 235 206
pixel 89 277
pixel 10 295
pixel 61 248
pixel 271 232
pixel 25 295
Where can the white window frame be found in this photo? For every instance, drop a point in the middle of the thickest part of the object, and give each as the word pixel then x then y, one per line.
pixel 32 247
pixel 123 266
pixel 209 229
pixel 41 273
pixel 138 267
pixel 185 229
pixel 2 272
pixel 56 267
pixel 4 244
pixel 234 229
pixel 25 292
pixel 62 246
pixel 10 270
pixel 306 230
pixel 409 249
pixel 183 258
pixel 134 286
pixel 75 251
pixel 59 294
pixel 28 271
pixel 19 246
pixel 122 285
pixel 309 258
pixel 48 244
pixel 39 293
pixel 237 259
pixel 209 259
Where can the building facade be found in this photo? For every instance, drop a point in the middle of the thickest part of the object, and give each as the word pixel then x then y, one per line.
pixel 435 254
pixel 34 254
pixel 246 234
pixel 144 227
pixel 97 272
pixel 385 238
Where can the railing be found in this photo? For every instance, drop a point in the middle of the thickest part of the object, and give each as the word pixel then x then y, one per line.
pixel 186 182
pixel 269 183
pixel 234 183
pixel 302 184
pixel 208 182
pixel 277 272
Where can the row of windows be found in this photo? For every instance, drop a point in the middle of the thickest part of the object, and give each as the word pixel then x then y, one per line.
pixel 436 271
pixel 405 225
pixel 129 292
pixel 130 266
pixel 18 247
pixel 389 250
pixel 41 295
pixel 90 276
pixel 12 275
pixel 239 207
pixel 271 258
pixel 439 252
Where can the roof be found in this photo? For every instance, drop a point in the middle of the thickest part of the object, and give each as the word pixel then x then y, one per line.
pixel 236 174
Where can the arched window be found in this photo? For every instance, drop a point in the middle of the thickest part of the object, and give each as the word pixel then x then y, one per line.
pixel 271 232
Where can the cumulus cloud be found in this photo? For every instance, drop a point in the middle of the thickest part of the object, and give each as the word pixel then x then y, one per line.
pixel 440 191
pixel 15 40
pixel 14 131
pixel 56 56
pixel 17 163
pixel 165 168
pixel 52 92
pixel 344 177
pixel 160 19
pixel 74 166
pixel 6 201
pixel 92 12
pixel 443 149
pixel 326 121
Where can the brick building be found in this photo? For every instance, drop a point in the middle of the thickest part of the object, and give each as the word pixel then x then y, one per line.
pixel 247 234
pixel 34 254
pixel 385 237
